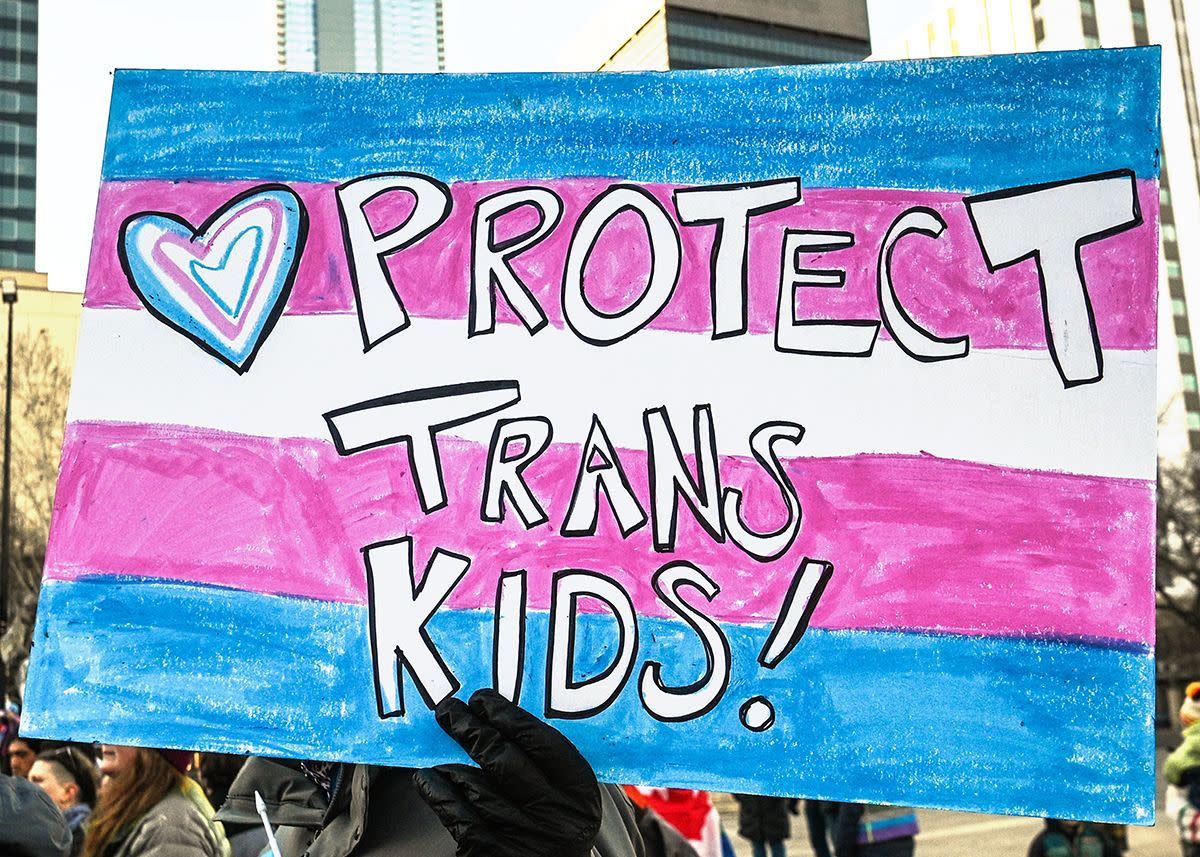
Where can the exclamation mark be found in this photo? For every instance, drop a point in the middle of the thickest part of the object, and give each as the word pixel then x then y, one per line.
pixel 757 713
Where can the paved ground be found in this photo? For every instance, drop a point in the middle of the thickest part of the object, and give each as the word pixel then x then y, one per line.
pixel 966 834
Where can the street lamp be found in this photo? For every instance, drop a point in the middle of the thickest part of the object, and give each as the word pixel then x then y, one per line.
pixel 8 290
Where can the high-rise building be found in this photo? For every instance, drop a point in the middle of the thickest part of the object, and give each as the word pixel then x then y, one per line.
pixel 681 34
pixel 964 27
pixel 360 35
pixel 18 130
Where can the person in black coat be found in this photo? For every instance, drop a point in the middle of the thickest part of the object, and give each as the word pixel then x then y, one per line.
pixel 818 827
pixel 852 827
pixel 764 821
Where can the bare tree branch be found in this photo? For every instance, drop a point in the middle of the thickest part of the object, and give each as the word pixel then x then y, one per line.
pixel 41 381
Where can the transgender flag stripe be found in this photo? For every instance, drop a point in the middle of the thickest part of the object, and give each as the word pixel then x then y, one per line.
pixel 991 532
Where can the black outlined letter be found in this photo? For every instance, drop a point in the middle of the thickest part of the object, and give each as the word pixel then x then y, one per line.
pixel 399 610
pixel 600 328
pixel 380 310
pixel 730 207
pixel 672 704
pixel 669 475
pixel 417 416
pixel 565 697
pixel 601 470
pixel 508 642
pixel 504 472
pixel 490 261
pixel 914 340
pixel 805 591
pixel 765 547
pixel 1050 223
pixel 844 338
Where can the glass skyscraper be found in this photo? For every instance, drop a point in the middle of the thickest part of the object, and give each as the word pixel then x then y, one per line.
pixel 689 34
pixel 18 131
pixel 360 35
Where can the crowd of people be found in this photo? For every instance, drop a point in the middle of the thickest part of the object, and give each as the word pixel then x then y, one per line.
pixel 530 794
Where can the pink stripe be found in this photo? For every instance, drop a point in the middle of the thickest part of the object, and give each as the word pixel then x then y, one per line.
pixel 917 542
pixel 944 283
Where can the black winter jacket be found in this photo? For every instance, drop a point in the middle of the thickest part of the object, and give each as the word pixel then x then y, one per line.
pixel 764 819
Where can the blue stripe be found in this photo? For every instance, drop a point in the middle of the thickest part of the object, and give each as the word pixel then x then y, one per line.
pixel 962 125
pixel 1028 727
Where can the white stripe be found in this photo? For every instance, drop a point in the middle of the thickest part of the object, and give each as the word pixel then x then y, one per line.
pixel 999 407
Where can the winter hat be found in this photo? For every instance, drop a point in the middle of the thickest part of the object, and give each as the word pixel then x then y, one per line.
pixel 1189 712
pixel 181 760
pixel 30 823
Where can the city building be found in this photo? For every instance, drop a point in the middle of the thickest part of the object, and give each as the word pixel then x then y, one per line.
pixel 966 27
pixel 18 130
pixel 360 35
pixel 39 310
pixel 682 34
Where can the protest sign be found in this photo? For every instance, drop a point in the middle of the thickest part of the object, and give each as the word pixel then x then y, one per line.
pixel 786 431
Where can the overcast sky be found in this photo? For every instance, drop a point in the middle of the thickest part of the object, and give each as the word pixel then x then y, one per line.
pixel 80 43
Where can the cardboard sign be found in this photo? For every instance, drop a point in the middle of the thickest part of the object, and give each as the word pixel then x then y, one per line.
pixel 786 431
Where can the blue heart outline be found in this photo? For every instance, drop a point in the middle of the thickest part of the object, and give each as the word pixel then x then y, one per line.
pixel 164 306
pixel 197 266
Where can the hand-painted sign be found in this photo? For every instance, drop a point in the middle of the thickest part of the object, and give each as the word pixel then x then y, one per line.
pixel 787 431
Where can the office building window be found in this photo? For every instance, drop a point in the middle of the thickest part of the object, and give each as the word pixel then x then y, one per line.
pixel 705 40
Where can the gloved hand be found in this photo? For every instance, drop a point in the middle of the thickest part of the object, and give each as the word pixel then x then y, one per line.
pixel 533 794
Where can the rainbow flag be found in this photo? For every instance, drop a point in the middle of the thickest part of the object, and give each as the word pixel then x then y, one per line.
pixel 755 446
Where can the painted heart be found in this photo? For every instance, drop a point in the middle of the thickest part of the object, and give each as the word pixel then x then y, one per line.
pixel 224 284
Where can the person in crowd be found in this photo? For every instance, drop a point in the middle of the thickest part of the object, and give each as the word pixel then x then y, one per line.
pixel 9 722
pixel 532 795
pixel 1183 764
pixel 1181 770
pixel 1061 838
pixel 216 772
pixel 764 821
pixel 30 823
pixel 151 809
pixel 21 754
pixel 69 776
pixel 818 830
pixel 688 811
pixel 867 830
pixel 660 837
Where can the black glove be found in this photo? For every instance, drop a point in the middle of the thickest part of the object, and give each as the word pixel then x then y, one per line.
pixel 533 794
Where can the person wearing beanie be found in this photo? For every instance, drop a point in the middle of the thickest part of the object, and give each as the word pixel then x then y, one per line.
pixel 30 823
pixel 1182 773
pixel 151 809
